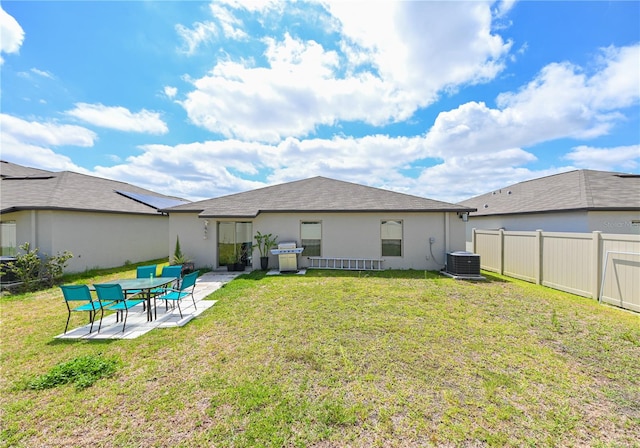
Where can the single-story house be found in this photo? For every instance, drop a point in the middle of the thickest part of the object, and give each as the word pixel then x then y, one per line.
pixel 331 219
pixel 576 201
pixel 103 223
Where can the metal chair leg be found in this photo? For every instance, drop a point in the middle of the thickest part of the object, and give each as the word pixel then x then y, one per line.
pixel 125 319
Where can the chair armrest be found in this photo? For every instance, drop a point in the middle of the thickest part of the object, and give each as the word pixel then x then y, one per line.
pixel 166 290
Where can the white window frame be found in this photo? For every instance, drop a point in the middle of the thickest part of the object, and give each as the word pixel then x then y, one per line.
pixel 384 237
pixel 302 239
pixel 8 240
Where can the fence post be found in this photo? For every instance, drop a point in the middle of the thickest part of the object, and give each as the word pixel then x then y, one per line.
pixel 538 257
pixel 596 271
pixel 501 248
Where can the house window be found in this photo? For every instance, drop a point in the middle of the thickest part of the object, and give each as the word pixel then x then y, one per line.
pixel 8 237
pixel 391 235
pixel 235 243
pixel 311 238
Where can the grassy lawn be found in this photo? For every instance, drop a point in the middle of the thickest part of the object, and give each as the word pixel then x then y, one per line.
pixel 337 359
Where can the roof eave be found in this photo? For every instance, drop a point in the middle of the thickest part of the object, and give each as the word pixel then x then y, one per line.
pixel 71 209
pixel 565 210
pixel 174 210
pixel 204 214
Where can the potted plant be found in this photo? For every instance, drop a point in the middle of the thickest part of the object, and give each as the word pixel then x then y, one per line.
pixel 265 242
pixel 180 259
pixel 240 259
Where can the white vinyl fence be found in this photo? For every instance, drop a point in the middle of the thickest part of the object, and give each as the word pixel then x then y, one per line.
pixel 602 266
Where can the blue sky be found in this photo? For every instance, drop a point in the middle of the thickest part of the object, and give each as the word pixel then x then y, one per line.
pixel 445 100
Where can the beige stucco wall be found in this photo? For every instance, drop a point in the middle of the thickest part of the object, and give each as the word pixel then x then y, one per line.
pixel 621 223
pixel 95 239
pixel 199 247
pixel 355 235
pixel 580 222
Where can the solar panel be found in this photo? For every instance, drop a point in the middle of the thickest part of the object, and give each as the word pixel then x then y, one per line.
pixel 158 202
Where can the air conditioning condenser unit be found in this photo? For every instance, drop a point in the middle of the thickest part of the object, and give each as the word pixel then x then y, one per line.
pixel 462 264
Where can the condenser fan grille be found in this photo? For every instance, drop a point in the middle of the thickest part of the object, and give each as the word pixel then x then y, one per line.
pixel 463 263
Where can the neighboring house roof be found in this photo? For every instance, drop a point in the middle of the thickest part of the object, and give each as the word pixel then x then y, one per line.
pixel 579 190
pixel 317 194
pixel 24 188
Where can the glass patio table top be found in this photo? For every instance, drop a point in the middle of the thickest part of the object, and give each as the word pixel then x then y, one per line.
pixel 129 284
pixel 145 286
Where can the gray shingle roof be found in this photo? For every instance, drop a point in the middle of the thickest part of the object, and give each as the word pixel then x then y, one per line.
pixel 24 188
pixel 8 169
pixel 317 194
pixel 573 190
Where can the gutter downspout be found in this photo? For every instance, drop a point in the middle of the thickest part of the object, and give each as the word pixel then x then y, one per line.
pixel 34 230
pixel 447 223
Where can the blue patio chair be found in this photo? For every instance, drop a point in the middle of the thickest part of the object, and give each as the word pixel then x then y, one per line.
pixel 113 292
pixel 146 271
pixel 174 271
pixel 143 272
pixel 80 296
pixel 185 289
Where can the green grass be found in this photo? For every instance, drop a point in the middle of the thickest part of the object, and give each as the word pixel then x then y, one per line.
pixel 338 358
pixel 82 372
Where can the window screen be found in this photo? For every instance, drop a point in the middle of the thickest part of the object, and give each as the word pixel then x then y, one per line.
pixel 8 237
pixel 311 237
pixel 391 235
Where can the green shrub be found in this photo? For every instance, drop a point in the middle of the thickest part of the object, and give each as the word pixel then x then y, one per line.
pixel 178 256
pixel 35 271
pixel 82 372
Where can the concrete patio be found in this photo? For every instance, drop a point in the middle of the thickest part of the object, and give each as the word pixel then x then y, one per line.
pixel 137 323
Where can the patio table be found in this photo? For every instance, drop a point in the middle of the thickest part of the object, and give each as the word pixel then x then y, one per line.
pixel 145 285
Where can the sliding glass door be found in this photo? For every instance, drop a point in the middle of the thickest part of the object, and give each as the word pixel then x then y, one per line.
pixel 235 243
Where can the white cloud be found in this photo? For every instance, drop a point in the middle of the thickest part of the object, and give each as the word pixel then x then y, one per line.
pixel 385 69
pixel 36 156
pixel 504 7
pixel 291 98
pixel 171 92
pixel 461 177
pixel 194 171
pixel 469 150
pixel 119 118
pixel 231 25
pixel 621 158
pixel 43 73
pixel 424 47
pixel 29 75
pixel 617 85
pixel 560 102
pixel 203 170
pixel 11 34
pixel 252 5
pixel 200 33
pixel 45 134
pixel 28 143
